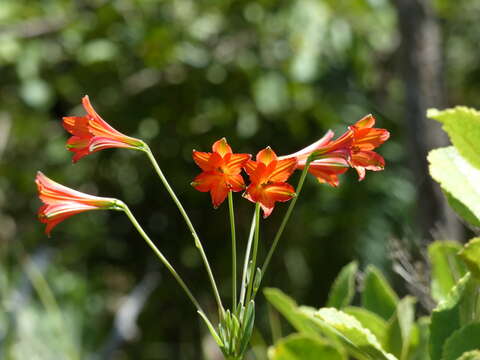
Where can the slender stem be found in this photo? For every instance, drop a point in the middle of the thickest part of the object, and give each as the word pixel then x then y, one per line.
pixel 285 220
pixel 255 249
pixel 162 258
pixel 245 263
pixel 234 252
pixel 196 239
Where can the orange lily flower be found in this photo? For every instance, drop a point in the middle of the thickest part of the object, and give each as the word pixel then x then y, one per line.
pixel 221 171
pixel 90 133
pixel 352 149
pixel 61 202
pixel 268 176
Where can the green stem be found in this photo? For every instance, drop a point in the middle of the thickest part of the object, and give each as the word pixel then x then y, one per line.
pixel 245 263
pixel 234 252
pixel 157 252
pixel 285 220
pixel 254 254
pixel 196 239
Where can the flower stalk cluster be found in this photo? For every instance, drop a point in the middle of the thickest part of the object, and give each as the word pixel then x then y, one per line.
pixel 221 176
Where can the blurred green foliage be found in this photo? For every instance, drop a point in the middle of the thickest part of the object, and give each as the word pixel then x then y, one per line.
pixel 181 74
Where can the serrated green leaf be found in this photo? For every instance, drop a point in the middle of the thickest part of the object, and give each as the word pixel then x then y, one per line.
pixel 369 320
pixel 359 341
pixel 462 125
pixel 377 295
pixel 470 254
pixel 343 288
pixel 400 328
pixel 304 347
pixel 470 355
pixel 457 177
pixel 465 339
pixel 446 317
pixel 447 267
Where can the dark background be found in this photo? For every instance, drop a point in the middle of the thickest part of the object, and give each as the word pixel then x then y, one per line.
pixel 180 75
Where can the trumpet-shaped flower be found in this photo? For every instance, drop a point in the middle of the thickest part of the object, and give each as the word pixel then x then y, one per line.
pixel 220 171
pixel 353 149
pixel 61 202
pixel 90 133
pixel 268 176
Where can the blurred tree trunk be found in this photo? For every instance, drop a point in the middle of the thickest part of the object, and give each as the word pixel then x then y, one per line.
pixel 421 56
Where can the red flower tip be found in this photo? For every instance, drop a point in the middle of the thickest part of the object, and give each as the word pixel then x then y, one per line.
pixel 61 202
pixel 268 176
pixel 90 133
pixel 220 171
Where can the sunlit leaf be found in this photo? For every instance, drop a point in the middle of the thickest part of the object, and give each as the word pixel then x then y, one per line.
pixel 304 347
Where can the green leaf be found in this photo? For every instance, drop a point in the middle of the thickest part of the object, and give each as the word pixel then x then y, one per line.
pixel 462 125
pixel 457 177
pixel 343 289
pixel 465 339
pixel 470 254
pixel 470 355
pixel 304 347
pixel 301 320
pixel 359 341
pixel 377 295
pixel 462 210
pixel 369 320
pixel 400 328
pixel 447 267
pixel 420 340
pixel 446 317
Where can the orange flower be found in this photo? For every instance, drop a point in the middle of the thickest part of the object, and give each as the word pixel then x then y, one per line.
pixel 61 202
pixel 352 149
pixel 268 176
pixel 90 133
pixel 221 171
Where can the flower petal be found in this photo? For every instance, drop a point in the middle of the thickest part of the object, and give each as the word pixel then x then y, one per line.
pixel 266 156
pixel 201 159
pixel 370 138
pixel 250 167
pixel 235 182
pixel 366 122
pixel 327 172
pixel 307 150
pixel 206 181
pixel 218 193
pixel 221 147
pixel 283 169
pixel 76 125
pixel 234 163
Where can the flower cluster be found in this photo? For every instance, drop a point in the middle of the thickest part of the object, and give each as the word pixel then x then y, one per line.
pixel 221 168
pixel 326 158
